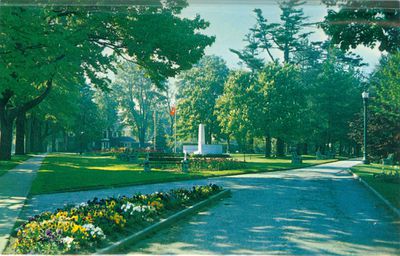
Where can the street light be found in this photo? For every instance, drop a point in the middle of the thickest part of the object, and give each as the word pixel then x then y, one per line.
pixel 365 96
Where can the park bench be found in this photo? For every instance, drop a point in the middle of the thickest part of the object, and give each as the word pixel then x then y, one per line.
pixel 128 156
pixel 330 154
pixel 296 159
pixel 390 171
pixel 388 161
pixel 320 156
pixel 165 160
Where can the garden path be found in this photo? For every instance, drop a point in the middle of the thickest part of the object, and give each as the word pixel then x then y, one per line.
pixel 314 210
pixel 14 189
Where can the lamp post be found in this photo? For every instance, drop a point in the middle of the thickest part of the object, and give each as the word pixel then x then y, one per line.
pixel 365 96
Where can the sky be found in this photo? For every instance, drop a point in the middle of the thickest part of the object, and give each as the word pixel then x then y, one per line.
pixel 230 21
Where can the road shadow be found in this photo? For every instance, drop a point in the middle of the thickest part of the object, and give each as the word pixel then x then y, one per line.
pixel 289 216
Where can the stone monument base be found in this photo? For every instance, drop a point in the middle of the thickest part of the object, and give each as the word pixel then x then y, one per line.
pixel 206 149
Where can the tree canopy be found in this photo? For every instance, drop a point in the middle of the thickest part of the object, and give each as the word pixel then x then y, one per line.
pixel 368 23
pixel 55 45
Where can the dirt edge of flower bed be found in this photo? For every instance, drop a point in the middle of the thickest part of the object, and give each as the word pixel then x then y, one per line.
pixel 138 236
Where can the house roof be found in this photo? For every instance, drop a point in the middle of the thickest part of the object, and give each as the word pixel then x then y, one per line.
pixel 125 139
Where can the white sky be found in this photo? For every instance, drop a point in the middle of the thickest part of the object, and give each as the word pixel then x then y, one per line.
pixel 230 20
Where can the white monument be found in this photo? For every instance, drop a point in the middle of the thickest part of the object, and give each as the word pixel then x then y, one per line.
pixel 201 140
pixel 202 148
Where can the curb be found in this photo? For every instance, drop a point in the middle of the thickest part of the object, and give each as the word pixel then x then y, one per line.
pixel 134 238
pixel 386 202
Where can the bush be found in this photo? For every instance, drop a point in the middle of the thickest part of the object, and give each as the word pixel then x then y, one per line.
pixel 86 226
pixel 215 164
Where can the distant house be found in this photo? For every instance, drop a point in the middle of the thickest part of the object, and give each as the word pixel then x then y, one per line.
pixel 117 137
pixel 126 142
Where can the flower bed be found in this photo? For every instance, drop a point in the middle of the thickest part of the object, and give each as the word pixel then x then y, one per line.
pixel 85 227
pixel 215 164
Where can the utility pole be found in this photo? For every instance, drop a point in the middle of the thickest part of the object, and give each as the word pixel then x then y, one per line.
pixel 175 133
pixel 155 131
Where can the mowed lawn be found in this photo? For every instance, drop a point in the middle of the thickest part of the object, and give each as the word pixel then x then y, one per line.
pixel 71 172
pixel 8 165
pixel 389 190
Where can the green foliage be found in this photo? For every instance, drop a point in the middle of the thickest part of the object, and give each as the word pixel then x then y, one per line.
pixel 215 164
pixel 334 100
pixel 88 125
pixel 283 103
pixel 386 85
pixel 384 110
pixel 138 98
pixel 66 42
pixel 369 23
pixel 286 36
pixel 43 47
pixel 237 109
pixel 198 90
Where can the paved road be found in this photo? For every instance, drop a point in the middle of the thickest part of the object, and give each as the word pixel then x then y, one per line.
pixel 316 210
pixel 14 188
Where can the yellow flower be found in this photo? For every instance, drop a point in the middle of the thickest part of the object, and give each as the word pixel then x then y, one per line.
pixel 75 228
pixel 112 204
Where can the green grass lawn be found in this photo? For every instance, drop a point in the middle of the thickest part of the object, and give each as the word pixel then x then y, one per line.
pixel 389 190
pixel 8 165
pixel 71 172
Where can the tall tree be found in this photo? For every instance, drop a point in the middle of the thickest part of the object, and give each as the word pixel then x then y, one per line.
pixel 287 36
pixel 384 110
pixel 237 109
pixel 332 80
pixel 138 98
pixel 283 104
pixel 47 46
pixel 198 90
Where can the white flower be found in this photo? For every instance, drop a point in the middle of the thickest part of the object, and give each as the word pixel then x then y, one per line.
pixel 94 231
pixel 132 208
pixel 81 205
pixel 67 240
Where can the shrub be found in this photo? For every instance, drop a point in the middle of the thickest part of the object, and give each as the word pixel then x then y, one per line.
pixel 215 164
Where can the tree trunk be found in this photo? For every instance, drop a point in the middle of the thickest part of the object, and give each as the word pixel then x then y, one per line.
pixel 53 142
pixel 37 145
pixel 251 144
pixel 280 147
pixel 228 145
pixel 6 140
pixel 8 115
pixel 142 134
pixel 66 140
pixel 286 54
pixel 28 130
pixel 267 146
pixel 305 149
pixel 32 134
pixel 20 134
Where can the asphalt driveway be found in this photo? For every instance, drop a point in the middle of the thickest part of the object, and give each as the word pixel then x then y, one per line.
pixel 316 210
